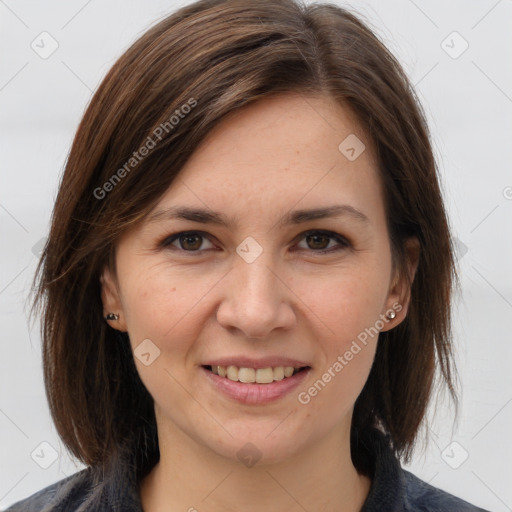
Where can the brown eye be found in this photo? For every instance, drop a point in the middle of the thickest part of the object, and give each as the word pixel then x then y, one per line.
pixel 318 241
pixel 190 242
pixel 187 241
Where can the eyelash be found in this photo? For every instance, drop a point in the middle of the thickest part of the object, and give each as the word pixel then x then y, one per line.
pixel 343 242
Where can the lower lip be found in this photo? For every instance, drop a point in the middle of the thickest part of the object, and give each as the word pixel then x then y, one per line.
pixel 253 393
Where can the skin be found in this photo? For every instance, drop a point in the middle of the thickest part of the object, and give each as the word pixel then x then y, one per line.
pixel 274 156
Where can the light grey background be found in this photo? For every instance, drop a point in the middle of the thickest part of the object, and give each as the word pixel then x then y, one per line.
pixel 468 100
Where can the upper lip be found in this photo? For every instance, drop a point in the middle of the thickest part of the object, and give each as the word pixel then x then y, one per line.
pixel 265 362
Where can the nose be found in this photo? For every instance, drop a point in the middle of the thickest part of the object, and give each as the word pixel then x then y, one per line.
pixel 256 299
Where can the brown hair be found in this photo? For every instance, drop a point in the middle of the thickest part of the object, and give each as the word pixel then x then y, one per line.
pixel 217 56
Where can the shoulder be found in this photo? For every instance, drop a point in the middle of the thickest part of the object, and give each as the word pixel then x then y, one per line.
pixel 60 496
pixel 398 489
pixel 91 489
pixel 423 497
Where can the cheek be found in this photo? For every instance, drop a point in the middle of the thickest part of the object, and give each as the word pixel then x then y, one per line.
pixel 346 311
pixel 330 398
pixel 163 306
pixel 343 305
pixel 347 341
pixel 159 302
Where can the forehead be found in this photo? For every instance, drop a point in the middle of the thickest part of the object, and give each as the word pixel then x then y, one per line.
pixel 280 152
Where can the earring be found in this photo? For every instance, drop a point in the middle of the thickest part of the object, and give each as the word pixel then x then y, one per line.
pixel 391 314
pixel 112 316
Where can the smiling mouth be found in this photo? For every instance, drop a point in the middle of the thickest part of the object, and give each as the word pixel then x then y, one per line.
pixel 255 376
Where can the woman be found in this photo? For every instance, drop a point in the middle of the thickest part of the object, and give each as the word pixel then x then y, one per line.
pixel 247 282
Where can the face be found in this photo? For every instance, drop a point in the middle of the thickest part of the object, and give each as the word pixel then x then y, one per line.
pixel 267 288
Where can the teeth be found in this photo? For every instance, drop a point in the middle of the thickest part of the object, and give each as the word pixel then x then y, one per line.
pixel 247 375
pixel 279 373
pixel 288 371
pixel 251 375
pixel 264 375
pixel 232 373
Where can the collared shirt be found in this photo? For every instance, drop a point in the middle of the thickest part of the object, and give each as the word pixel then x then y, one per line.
pixel 393 489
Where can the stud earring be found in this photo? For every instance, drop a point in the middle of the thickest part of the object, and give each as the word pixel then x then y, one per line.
pixel 390 314
pixel 112 316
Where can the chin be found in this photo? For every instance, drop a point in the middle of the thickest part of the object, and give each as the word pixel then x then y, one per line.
pixel 259 446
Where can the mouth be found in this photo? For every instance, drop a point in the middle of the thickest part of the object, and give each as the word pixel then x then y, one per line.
pixel 255 386
pixel 255 375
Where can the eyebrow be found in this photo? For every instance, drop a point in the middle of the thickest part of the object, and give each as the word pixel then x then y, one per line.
pixel 205 216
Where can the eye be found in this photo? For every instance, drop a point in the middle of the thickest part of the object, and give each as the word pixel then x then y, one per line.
pixel 317 241
pixel 188 241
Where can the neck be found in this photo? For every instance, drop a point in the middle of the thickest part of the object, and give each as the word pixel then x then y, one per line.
pixel 190 476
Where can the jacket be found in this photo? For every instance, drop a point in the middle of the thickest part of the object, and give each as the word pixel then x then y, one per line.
pixel 393 489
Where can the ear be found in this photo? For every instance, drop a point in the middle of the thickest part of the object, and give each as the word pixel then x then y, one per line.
pixel 111 299
pixel 400 291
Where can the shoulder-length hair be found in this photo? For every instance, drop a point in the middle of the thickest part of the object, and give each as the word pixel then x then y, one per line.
pixel 165 94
